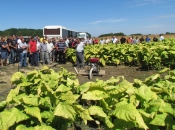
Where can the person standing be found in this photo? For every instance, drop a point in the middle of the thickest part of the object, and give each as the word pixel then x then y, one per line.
pixel 129 40
pixel 4 51
pixel 19 40
pixel 50 49
pixel 80 52
pixel 23 55
pixel 12 46
pixel 141 39
pixel 61 48
pixel 155 39
pixel 133 40
pixel 102 41
pixel 122 40
pixel 161 38
pixel 44 53
pixel 107 41
pixel 115 40
pixel 147 39
pixel 96 41
pixel 33 52
pixel 137 40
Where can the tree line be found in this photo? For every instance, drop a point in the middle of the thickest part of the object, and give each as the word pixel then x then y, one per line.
pixel 22 31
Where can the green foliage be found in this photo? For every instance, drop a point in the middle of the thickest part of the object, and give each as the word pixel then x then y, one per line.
pixel 22 31
pixel 48 100
pixel 147 55
pixel 112 34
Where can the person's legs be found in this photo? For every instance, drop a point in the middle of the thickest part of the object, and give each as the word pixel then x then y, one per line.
pixel 47 58
pixel 10 57
pixel 32 59
pixel 60 56
pixel 78 59
pixel 42 57
pixel 64 58
pixel 24 59
pixel 21 59
pixel 35 58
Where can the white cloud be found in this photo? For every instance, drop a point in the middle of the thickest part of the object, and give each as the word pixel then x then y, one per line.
pixel 107 21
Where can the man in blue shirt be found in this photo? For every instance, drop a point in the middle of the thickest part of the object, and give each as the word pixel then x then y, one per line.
pixel 61 48
pixel 147 39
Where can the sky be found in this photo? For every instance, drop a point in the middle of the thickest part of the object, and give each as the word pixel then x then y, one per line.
pixel 94 16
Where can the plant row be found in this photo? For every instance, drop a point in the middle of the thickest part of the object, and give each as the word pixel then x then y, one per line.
pixel 149 55
pixel 46 100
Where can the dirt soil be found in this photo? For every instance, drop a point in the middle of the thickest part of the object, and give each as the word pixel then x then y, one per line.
pixel 130 73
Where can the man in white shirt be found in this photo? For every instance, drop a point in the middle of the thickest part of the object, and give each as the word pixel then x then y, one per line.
pixel 161 37
pixel 80 52
pixel 50 48
pixel 23 55
pixel 107 41
pixel 18 54
pixel 102 41
pixel 115 40
pixel 67 42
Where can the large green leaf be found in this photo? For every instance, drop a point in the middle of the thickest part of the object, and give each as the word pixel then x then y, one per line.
pixel 69 97
pixel 23 127
pixel 84 87
pixel 159 120
pixel 65 111
pixel 83 113
pixel 108 122
pixel 95 95
pixel 97 111
pixel 129 113
pixel 44 127
pixel 17 77
pixel 46 114
pixel 62 88
pixel 9 118
pixel 145 93
pixel 33 111
pixel 122 87
pixel 13 93
pixel 31 100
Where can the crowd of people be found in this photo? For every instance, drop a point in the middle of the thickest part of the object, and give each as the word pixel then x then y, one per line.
pixel 130 39
pixel 35 50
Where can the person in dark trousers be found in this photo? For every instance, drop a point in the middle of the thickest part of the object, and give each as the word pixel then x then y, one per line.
pixel 33 52
pixel 61 49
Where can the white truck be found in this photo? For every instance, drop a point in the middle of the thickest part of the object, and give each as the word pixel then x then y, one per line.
pixel 84 35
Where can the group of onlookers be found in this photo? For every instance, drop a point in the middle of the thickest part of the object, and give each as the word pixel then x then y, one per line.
pixel 35 50
pixel 130 39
